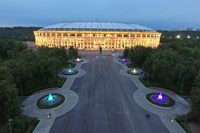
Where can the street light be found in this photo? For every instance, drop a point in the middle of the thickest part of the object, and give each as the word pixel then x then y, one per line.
pixel 197 37
pixel 178 36
pixel 188 37
pixel 186 117
pixel 9 121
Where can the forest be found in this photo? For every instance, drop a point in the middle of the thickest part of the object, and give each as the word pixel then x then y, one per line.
pixel 23 72
pixel 174 66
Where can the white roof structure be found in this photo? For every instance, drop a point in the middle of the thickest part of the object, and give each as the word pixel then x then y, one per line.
pixel 96 26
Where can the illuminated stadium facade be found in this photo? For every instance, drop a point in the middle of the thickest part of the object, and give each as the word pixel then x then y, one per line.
pixel 92 35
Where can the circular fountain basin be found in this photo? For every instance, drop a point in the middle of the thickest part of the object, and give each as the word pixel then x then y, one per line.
pixel 160 99
pixel 69 71
pixel 78 60
pixel 133 71
pixel 123 60
pixel 50 101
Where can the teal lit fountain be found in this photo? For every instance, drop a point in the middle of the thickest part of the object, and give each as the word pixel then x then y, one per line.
pixel 69 71
pixel 50 101
pixel 50 97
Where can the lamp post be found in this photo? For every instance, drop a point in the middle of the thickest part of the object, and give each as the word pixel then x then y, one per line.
pixel 27 111
pixel 178 37
pixel 9 121
pixel 186 117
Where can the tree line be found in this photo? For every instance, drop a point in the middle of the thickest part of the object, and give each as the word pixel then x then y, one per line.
pixel 174 66
pixel 24 72
pixel 18 33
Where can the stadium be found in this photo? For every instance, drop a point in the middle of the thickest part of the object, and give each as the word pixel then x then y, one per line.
pixel 92 35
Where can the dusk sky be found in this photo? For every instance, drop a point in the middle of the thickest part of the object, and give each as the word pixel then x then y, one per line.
pixel 157 14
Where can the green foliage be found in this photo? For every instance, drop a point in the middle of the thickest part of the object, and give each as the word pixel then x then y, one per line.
pixel 34 71
pixel 126 51
pixel 18 33
pixel 196 98
pixel 10 49
pixel 181 120
pixel 173 66
pixel 138 55
pixel 170 36
pixel 9 99
pixel 72 53
pixel 20 124
pixel 23 72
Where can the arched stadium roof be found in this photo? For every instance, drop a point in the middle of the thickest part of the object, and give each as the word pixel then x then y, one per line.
pixel 96 26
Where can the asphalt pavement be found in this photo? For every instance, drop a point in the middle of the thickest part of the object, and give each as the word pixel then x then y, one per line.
pixel 106 104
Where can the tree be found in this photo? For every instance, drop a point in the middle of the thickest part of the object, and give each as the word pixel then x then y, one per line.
pixel 9 100
pixel 100 50
pixel 195 94
pixel 138 55
pixel 126 51
pixel 72 53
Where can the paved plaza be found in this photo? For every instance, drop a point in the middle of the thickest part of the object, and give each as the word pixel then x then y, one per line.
pixel 108 100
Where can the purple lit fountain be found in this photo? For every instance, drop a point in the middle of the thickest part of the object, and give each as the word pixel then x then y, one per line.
pixel 160 98
pixel 123 60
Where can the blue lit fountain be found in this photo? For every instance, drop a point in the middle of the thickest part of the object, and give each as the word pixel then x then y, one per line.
pixel 69 71
pixel 50 99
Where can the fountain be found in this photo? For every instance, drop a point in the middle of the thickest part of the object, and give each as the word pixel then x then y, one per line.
pixel 160 96
pixel 78 60
pixel 133 71
pixel 69 71
pixel 123 60
pixel 50 98
pixel 160 99
pixel 50 101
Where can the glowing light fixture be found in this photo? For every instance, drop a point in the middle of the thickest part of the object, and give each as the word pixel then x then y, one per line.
pixel 50 97
pixel 178 36
pixel 160 96
pixel 78 59
pixel 70 70
pixel 134 71
pixel 188 37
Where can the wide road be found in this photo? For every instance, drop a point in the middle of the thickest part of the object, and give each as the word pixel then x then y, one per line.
pixel 105 103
